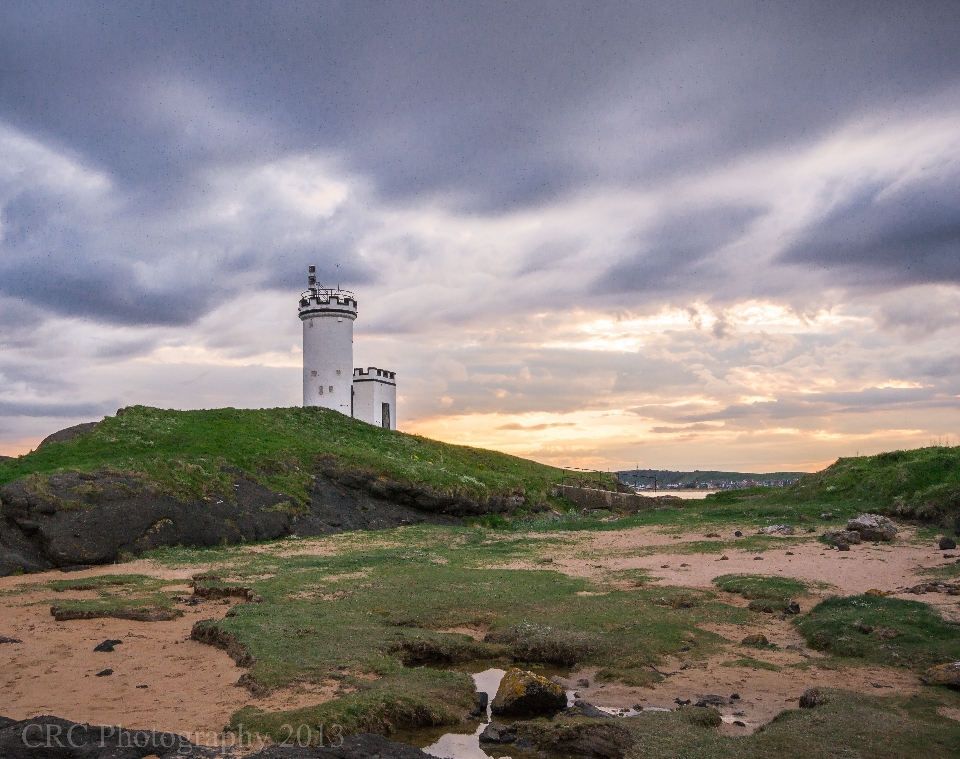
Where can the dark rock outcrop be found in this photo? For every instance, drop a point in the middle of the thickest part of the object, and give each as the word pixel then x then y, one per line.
pixel 54 738
pixel 69 433
pixel 90 518
pixel 586 738
pixel 497 733
pixel 947 544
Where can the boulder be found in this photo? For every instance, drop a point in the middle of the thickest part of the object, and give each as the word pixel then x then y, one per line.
pixel 757 639
pixel 947 544
pixel 582 708
pixel 791 608
pixel 873 527
pixel 497 733
pixel 943 674
pixel 777 529
pixel 525 694
pixel 842 536
pixel 712 700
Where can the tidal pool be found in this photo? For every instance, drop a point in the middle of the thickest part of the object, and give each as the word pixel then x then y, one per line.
pixel 459 745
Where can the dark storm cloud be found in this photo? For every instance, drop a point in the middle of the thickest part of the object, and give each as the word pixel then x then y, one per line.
pixel 488 107
pixel 465 98
pixel 890 237
pixel 673 255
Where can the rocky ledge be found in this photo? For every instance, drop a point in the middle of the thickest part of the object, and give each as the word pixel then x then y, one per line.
pixel 86 518
pixel 54 738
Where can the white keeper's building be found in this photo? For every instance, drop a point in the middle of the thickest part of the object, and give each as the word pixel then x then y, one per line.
pixel 329 377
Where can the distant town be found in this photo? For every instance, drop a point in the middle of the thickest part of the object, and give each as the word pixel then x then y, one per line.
pixel 664 479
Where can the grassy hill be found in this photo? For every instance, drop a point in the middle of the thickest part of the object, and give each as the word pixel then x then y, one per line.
pixel 183 453
pixel 923 484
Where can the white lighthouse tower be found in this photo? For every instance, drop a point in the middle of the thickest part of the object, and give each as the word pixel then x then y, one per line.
pixel 327 316
pixel 329 379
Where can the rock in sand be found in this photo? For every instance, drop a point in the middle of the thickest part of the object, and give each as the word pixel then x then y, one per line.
pixel 873 527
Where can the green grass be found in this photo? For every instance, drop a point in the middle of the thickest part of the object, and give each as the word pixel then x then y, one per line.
pixel 923 483
pixel 109 583
pixel 849 725
pixel 881 630
pixel 415 698
pixel 121 596
pixel 378 608
pixel 778 590
pixel 182 453
pixel 751 663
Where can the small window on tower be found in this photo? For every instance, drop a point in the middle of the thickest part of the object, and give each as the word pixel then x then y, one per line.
pixel 338 371
pixel 331 388
pixel 321 389
pixel 313 374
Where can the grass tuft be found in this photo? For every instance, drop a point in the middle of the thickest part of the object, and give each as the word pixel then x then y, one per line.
pixel 881 630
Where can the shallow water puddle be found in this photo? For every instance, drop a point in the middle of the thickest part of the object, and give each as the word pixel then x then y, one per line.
pixel 467 745
pixel 458 745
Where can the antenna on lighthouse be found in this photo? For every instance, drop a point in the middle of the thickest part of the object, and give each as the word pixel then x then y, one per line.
pixel 312 276
pixel 338 276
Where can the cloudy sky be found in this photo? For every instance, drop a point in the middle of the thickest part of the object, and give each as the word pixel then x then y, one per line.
pixel 684 235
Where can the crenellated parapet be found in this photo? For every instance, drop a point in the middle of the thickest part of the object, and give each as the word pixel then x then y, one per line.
pixel 373 374
pixel 324 302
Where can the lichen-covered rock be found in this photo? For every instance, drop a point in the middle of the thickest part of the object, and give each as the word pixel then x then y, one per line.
pixel 756 639
pixel 943 674
pixel 842 536
pixel 525 694
pixel 873 527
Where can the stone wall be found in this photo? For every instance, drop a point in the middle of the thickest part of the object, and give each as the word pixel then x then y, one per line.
pixel 592 498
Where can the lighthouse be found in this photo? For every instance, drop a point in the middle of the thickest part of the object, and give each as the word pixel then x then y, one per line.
pixel 329 377
pixel 327 315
